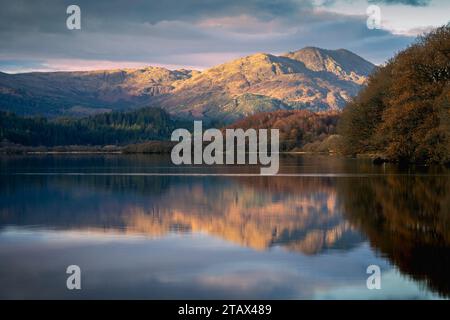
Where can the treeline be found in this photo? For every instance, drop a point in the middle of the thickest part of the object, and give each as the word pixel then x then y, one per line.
pixel 103 129
pixel 297 127
pixel 139 129
pixel 404 112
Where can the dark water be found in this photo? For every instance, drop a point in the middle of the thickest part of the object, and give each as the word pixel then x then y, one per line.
pixel 139 227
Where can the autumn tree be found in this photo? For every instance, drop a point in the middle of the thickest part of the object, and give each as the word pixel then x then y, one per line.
pixel 404 110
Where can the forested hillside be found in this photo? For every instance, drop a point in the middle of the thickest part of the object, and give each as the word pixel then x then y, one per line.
pixel 108 128
pixel 297 127
pixel 404 112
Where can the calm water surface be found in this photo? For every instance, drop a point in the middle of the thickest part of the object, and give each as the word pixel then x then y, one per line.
pixel 141 228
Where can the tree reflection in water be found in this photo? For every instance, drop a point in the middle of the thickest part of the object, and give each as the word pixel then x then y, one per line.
pixel 406 219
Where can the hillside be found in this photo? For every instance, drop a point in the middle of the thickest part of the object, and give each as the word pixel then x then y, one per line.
pixel 404 112
pixel 311 78
pixel 103 129
pixel 141 129
pixel 298 128
pixel 84 93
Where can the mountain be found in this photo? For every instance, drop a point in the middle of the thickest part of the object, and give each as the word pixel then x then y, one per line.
pixel 84 93
pixel 344 64
pixel 310 78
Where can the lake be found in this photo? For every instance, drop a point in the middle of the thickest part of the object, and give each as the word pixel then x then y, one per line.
pixel 139 227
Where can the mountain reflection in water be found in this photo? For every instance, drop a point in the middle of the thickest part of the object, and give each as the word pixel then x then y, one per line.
pixel 404 215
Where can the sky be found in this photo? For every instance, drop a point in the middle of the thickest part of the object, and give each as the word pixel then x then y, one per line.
pixel 197 34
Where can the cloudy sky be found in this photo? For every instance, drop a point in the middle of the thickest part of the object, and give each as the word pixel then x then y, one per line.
pixel 201 33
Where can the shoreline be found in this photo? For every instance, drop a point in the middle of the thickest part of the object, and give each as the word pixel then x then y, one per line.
pixel 53 152
pixel 375 158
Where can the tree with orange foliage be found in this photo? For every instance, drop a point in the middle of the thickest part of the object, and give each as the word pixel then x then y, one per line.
pixel 404 112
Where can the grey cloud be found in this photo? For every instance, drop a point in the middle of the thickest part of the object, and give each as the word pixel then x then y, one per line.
pixel 177 32
pixel 50 15
pixel 417 3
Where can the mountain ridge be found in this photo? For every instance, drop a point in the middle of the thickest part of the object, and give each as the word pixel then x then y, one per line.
pixel 309 78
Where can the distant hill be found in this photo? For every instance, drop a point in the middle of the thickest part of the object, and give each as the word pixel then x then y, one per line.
pixel 84 93
pixel 311 78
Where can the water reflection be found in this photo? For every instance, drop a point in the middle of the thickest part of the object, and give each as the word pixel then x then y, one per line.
pixel 258 212
pixel 404 215
pixel 407 219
